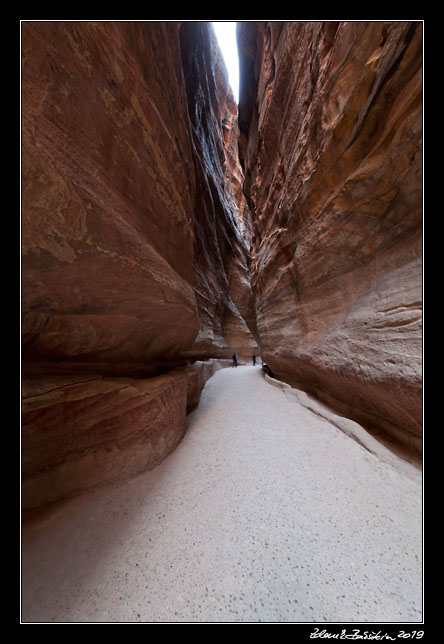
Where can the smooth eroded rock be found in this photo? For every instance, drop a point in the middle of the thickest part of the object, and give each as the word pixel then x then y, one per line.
pixel 221 242
pixel 132 240
pixel 331 136
pixel 80 434
pixel 108 192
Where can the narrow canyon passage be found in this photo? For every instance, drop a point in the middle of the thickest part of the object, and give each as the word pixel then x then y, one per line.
pixel 264 512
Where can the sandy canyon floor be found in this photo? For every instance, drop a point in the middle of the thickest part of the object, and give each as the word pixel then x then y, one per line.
pixel 265 512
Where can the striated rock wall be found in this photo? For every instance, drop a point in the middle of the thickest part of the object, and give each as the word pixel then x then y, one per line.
pixel 128 221
pixel 221 277
pixel 131 241
pixel 108 197
pixel 331 133
pixel 81 433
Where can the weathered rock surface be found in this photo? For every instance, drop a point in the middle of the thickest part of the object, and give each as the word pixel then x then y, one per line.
pixel 78 434
pixel 127 227
pixel 331 125
pixel 108 194
pixel 221 277
pixel 131 240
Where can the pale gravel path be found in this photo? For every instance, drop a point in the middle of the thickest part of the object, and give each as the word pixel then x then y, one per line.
pixel 265 512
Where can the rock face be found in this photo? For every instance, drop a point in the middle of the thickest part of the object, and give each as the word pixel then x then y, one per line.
pixel 108 196
pixel 131 241
pixel 81 433
pixel 330 120
pixel 123 198
pixel 137 220
pixel 78 434
pixel 221 278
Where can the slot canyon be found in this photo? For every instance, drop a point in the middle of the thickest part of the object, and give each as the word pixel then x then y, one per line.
pixel 165 228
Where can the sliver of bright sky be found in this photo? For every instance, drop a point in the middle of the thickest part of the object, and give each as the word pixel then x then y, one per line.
pixel 226 36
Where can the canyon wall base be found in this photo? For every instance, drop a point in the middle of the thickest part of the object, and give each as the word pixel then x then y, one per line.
pixel 81 434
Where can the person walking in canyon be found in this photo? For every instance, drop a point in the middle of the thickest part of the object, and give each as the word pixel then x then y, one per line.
pixel 254 361
pixel 234 356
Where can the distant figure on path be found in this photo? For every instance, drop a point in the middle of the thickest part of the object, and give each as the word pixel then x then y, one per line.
pixel 254 361
pixel 234 360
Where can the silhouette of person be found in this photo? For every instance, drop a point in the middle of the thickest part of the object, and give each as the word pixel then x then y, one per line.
pixel 254 361
pixel 234 360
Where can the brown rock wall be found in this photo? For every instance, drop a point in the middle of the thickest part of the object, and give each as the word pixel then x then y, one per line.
pixel 130 219
pixel 221 241
pixel 131 240
pixel 331 145
pixel 80 434
pixel 106 158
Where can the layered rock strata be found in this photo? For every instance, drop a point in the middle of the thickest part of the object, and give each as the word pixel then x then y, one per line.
pixel 127 227
pixel 108 197
pixel 131 239
pixel 331 132
pixel 81 433
pixel 221 244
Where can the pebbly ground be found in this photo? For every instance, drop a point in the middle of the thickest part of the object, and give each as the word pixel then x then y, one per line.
pixel 265 512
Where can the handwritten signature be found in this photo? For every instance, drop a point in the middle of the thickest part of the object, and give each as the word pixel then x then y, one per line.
pixel 356 634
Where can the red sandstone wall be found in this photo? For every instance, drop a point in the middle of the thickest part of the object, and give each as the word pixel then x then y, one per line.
pixel 331 135
pixel 125 205
pixel 221 276
pixel 123 200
